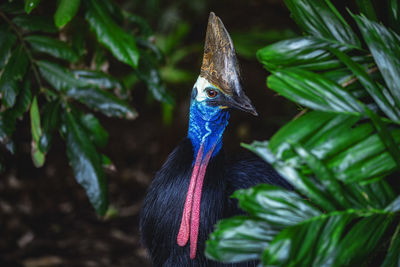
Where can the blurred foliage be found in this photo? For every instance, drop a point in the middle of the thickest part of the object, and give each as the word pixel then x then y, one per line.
pixel 55 65
pixel 337 153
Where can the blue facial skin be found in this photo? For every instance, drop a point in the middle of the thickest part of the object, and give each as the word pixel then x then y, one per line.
pixel 206 125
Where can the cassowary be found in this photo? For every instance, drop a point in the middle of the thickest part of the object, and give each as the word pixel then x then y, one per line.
pixel 192 190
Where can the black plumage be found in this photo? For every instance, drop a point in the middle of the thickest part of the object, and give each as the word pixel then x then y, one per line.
pixel 163 205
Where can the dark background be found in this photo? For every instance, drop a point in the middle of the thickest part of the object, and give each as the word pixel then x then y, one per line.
pixel 45 216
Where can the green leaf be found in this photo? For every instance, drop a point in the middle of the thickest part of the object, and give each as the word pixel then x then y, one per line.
pixel 393 256
pixel 66 10
pixel 13 73
pixel 7 41
pixel 33 23
pixel 121 44
pixel 100 80
pixel 313 90
pixel 38 156
pixel 385 103
pixel 97 134
pixel 59 77
pixel 103 101
pixel 31 5
pixel 366 7
pixel 276 206
pixel 86 162
pixel 52 46
pixel 238 239
pixel 333 239
pixel 385 48
pixel 394 14
pixel 321 19
pixel 50 121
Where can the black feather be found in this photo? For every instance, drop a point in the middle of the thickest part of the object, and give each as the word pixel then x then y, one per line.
pixel 162 208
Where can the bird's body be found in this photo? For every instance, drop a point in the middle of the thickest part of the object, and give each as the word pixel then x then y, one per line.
pixel 192 190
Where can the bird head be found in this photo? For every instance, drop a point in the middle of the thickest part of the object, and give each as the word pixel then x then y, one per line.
pixel 220 84
pixel 218 89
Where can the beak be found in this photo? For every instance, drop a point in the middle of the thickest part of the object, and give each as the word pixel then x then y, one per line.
pixel 242 103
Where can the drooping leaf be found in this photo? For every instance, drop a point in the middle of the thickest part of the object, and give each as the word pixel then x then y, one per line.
pixel 34 23
pixel 58 76
pixel 31 5
pixel 321 19
pixel 52 46
pixel 50 121
pixel 394 14
pixel 393 256
pixel 99 79
pixel 385 48
pixel 38 156
pixel 7 41
pixel 313 90
pixel 13 73
pixel 334 239
pixel 121 44
pixel 97 134
pixel 240 238
pixel 85 161
pixel 66 10
pixel 103 101
pixel 366 7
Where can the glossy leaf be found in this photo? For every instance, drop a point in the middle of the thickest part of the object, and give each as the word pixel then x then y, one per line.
pixel 99 79
pixel 97 134
pixel 34 23
pixel 86 162
pixel 313 90
pixel 7 41
pixel 385 48
pixel 50 122
pixel 393 256
pixel 103 101
pixel 276 206
pixel 239 238
pixel 66 10
pixel 336 239
pixel 321 19
pixel 38 156
pixel 121 45
pixel 13 73
pixel 59 77
pixel 52 46
pixel 31 5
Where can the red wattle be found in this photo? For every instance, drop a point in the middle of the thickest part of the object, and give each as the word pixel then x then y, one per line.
pixel 183 235
pixel 195 219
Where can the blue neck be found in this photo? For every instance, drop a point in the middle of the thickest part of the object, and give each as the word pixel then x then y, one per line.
pixel 206 125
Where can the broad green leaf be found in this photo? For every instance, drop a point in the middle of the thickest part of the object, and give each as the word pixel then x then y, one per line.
pixel 240 238
pixel 275 205
pixel 148 72
pixel 38 156
pixel 301 182
pixel 59 77
pixel 121 44
pixel 33 23
pixel 50 122
pixel 31 5
pixel 321 19
pixel 52 46
pixel 308 52
pixel 7 41
pixel 9 116
pixel 66 10
pixel 385 102
pixel 313 90
pixel 97 134
pixel 13 73
pixel 143 25
pixel 385 48
pixel 99 79
pixel 103 101
pixel 86 162
pixel 333 239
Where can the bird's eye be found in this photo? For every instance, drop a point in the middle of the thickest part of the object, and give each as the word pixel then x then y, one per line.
pixel 212 93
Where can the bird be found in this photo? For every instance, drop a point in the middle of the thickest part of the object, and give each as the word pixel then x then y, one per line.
pixel 191 192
